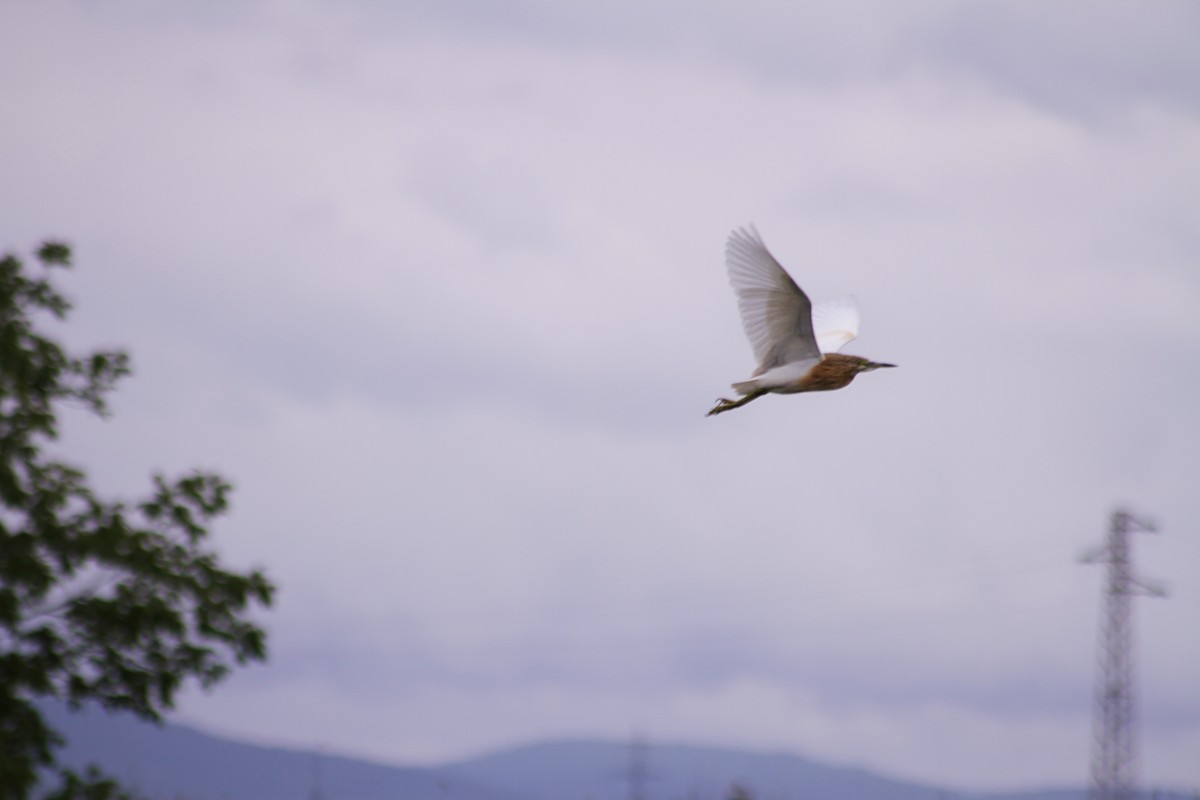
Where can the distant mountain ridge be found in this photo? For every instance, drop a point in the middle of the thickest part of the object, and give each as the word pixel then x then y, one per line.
pixel 175 762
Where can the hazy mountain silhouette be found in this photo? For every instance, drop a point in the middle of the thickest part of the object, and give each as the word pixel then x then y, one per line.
pixel 175 762
pixel 600 771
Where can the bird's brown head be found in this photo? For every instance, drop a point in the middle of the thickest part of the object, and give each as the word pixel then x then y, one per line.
pixel 849 366
pixel 835 371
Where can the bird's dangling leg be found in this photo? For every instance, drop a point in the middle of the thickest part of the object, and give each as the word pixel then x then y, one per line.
pixel 727 405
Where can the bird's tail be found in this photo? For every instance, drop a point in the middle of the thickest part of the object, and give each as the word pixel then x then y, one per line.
pixel 746 387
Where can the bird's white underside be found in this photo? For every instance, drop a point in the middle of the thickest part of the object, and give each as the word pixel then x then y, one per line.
pixel 778 378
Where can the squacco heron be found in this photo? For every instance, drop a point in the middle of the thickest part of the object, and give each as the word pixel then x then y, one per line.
pixel 796 344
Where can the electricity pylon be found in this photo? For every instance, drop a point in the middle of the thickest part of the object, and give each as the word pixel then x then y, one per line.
pixel 639 771
pixel 1114 757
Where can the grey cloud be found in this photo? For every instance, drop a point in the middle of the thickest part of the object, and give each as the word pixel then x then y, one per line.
pixel 1090 59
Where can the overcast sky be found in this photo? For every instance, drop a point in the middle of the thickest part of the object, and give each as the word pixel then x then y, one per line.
pixel 439 287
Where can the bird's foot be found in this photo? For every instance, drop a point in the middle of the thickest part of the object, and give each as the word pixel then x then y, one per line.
pixel 722 405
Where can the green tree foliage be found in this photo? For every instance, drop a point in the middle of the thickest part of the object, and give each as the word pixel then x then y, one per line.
pixel 115 603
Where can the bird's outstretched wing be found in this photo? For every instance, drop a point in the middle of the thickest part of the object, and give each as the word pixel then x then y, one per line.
pixel 835 323
pixel 776 314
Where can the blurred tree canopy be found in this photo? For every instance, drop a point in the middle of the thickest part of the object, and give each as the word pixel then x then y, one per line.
pixel 101 601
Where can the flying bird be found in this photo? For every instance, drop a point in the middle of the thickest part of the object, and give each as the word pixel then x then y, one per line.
pixel 796 343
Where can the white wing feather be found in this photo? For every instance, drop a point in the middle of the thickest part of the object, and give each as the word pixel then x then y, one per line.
pixel 835 323
pixel 775 312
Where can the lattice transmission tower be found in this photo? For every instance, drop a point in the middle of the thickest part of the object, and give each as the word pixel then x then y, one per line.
pixel 1114 754
pixel 638 773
